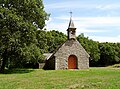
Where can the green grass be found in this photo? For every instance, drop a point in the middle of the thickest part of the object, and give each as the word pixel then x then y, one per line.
pixel 94 78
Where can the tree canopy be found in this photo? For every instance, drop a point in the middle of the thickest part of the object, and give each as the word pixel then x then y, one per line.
pixel 91 47
pixel 101 54
pixel 19 21
pixel 23 40
pixel 109 53
pixel 50 40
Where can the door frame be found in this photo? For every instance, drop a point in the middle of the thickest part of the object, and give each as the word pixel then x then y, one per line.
pixel 76 59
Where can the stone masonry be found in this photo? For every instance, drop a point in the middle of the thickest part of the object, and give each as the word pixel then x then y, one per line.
pixel 71 47
pixel 59 59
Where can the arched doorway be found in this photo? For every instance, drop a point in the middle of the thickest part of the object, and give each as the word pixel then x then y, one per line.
pixel 72 62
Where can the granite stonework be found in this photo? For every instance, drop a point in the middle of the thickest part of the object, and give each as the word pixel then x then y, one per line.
pixel 59 59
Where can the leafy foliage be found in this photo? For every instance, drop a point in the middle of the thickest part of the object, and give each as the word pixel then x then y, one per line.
pixel 50 40
pixel 55 39
pixel 101 54
pixel 19 21
pixel 109 53
pixel 91 47
pixel 21 42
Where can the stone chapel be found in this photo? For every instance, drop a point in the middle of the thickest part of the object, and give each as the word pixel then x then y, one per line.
pixel 69 55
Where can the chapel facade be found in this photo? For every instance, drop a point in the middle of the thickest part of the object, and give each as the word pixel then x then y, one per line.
pixel 70 54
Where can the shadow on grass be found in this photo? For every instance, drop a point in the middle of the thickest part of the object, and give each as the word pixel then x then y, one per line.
pixel 17 71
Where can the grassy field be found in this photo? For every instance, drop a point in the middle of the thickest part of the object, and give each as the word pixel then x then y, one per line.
pixel 94 78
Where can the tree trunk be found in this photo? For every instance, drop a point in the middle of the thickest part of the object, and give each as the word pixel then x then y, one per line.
pixel 3 61
pixel 3 65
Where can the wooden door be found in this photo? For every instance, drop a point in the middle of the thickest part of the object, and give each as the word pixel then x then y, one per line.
pixel 72 62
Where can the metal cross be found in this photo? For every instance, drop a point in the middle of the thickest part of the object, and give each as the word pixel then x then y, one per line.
pixel 71 14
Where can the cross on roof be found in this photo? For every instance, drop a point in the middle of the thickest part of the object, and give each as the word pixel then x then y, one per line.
pixel 70 14
pixel 71 24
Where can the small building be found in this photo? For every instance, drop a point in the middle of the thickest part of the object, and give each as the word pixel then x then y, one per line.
pixel 70 55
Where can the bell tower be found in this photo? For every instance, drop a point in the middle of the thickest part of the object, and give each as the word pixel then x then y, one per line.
pixel 71 31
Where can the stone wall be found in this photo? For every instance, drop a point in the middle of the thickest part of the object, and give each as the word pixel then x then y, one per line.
pixel 71 47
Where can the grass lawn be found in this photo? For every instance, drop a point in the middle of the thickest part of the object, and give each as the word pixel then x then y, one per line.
pixel 93 78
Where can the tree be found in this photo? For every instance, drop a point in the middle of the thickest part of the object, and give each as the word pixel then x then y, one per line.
pixel 50 40
pixel 118 51
pixel 109 54
pixel 19 21
pixel 91 47
pixel 55 39
pixel 42 38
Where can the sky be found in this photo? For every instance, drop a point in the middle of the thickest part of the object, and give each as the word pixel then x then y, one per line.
pixel 97 19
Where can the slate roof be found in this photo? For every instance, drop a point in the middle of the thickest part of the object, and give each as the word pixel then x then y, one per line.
pixel 47 55
pixel 71 24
